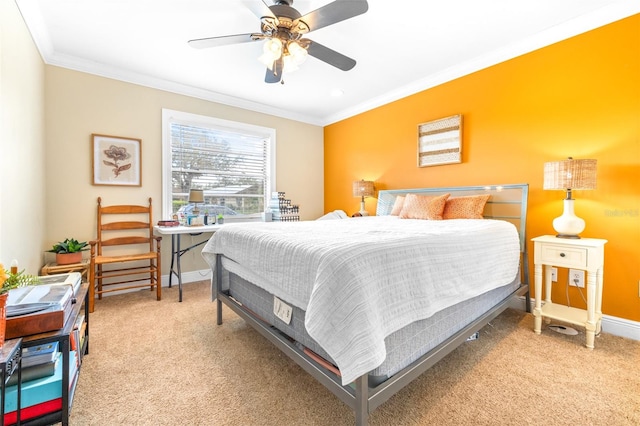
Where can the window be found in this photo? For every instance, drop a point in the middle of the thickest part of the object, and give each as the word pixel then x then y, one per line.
pixel 233 163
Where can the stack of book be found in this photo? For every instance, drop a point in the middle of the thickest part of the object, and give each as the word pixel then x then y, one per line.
pixel 168 223
pixel 282 210
pixel 37 362
pixel 39 396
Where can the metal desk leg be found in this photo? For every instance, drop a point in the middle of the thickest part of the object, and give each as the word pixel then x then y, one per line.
pixel 179 255
pixel 173 256
pixel 176 254
pixel 175 261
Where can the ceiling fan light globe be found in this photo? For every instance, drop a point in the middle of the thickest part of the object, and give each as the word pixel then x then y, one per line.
pixel 267 60
pixel 297 52
pixel 272 50
pixel 273 46
pixel 290 64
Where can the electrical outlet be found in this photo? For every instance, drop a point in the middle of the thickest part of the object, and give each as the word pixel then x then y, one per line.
pixel 576 277
pixel 554 275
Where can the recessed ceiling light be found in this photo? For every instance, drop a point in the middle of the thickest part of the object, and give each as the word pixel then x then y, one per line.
pixel 337 93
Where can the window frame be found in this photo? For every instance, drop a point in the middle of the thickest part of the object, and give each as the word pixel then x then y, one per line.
pixel 171 116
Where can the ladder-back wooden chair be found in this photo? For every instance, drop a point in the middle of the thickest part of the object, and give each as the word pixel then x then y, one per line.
pixel 125 254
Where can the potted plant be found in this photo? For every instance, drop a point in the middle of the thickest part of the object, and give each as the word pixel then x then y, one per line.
pixel 8 281
pixel 69 251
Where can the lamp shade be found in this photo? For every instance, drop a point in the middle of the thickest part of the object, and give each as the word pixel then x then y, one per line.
pixel 363 188
pixel 196 196
pixel 570 174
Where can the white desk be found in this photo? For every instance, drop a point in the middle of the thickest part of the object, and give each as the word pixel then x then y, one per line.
pixel 177 252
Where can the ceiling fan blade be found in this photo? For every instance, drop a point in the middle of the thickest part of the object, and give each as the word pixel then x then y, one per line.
pixel 259 8
pixel 202 43
pixel 330 56
pixel 275 75
pixel 332 13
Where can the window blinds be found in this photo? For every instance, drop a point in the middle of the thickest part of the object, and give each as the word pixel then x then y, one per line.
pixel 223 162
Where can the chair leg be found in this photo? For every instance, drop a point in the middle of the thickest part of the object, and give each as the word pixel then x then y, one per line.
pixel 100 282
pixel 152 286
pixel 151 275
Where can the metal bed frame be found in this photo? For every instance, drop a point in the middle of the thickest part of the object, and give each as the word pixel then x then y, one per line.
pixel 508 202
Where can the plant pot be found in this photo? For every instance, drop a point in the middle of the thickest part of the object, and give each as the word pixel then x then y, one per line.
pixel 3 317
pixel 68 258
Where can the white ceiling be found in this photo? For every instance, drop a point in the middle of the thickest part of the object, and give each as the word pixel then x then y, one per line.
pixel 401 47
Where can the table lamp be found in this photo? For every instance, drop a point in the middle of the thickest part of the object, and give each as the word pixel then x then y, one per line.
pixel 568 175
pixel 196 196
pixel 363 188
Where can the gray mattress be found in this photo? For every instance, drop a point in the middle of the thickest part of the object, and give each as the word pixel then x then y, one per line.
pixel 403 347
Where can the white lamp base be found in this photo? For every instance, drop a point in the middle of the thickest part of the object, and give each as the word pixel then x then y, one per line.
pixel 568 225
pixel 362 211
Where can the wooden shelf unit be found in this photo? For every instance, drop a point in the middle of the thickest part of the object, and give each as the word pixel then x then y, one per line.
pixel 53 268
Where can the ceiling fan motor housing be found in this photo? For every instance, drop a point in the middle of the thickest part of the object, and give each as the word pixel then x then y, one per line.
pixel 286 18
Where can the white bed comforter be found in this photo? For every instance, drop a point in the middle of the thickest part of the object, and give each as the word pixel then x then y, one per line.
pixel 359 280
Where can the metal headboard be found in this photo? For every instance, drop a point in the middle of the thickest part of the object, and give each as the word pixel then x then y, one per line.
pixel 507 202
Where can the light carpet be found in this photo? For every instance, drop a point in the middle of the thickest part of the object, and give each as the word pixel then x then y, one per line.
pixel 168 363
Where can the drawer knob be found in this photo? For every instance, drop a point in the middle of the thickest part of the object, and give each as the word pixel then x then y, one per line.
pixel 562 255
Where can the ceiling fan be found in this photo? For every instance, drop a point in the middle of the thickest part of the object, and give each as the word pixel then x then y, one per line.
pixel 283 27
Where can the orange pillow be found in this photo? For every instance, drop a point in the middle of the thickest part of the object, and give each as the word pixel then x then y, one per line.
pixel 423 206
pixel 467 207
pixel 397 205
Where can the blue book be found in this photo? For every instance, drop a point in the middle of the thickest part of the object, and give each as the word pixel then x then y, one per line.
pixel 39 354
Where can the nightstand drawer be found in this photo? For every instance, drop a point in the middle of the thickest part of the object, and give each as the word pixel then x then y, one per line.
pixel 573 257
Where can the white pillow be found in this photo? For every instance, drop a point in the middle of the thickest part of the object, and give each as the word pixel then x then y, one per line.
pixel 336 214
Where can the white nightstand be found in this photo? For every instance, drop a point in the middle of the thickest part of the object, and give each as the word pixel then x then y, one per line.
pixel 584 253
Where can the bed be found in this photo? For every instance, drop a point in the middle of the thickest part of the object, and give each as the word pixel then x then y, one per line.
pixel 366 305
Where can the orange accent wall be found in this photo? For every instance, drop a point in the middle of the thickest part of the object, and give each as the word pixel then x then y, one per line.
pixel 579 97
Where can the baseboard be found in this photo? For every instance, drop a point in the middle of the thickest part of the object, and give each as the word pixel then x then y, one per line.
pixel 621 327
pixel 610 324
pixel 187 277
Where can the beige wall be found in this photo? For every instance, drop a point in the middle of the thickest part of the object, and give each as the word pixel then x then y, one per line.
pixel 79 104
pixel 22 187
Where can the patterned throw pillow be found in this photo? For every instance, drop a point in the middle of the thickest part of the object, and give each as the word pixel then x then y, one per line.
pixel 397 205
pixel 423 206
pixel 467 207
